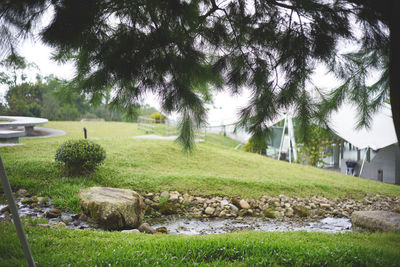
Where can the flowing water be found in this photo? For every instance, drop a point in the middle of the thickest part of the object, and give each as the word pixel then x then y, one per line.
pixel 183 225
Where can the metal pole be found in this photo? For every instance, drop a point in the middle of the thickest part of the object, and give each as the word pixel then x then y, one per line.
pixel 283 136
pixel 14 211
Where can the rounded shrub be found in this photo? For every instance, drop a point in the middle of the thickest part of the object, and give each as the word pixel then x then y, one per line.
pixel 80 156
pixel 158 117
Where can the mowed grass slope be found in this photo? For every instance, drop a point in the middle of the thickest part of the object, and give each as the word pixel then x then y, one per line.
pixel 154 165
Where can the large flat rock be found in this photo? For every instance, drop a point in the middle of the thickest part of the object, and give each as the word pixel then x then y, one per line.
pixel 112 208
pixel 377 220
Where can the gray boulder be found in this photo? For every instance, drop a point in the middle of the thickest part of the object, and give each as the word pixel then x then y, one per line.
pixel 377 220
pixel 112 208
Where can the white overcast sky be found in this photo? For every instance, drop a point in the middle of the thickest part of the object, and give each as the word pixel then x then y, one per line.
pixel 223 111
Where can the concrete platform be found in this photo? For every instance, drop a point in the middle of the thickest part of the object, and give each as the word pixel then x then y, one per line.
pixel 377 220
pixel 10 136
pixel 28 122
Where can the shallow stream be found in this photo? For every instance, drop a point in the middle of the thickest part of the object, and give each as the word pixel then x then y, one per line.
pixel 183 225
pixel 217 226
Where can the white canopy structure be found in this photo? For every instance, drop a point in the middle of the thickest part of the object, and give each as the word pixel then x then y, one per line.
pixel 380 134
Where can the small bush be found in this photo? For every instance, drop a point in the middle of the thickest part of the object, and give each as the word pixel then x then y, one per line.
pixel 80 156
pixel 158 117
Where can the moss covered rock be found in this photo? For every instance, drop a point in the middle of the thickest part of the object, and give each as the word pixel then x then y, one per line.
pixel 112 208
pixel 301 211
pixel 168 209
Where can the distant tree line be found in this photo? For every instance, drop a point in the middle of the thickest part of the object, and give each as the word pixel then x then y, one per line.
pixel 54 98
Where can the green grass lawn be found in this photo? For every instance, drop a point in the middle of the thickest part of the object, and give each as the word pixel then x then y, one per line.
pixel 62 247
pixel 150 165
pixel 214 168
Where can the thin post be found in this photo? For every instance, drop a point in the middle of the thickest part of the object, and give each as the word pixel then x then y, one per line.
pixel 14 212
pixel 283 136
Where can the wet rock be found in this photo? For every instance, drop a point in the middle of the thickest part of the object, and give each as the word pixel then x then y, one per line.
pixel 66 219
pixel 5 209
pixel 146 228
pixel 130 231
pixel 377 220
pixel 168 209
pixel 41 200
pixel 52 213
pixel 112 208
pixel 83 217
pixel 38 210
pixel 209 210
pixel 162 230
pixel 29 200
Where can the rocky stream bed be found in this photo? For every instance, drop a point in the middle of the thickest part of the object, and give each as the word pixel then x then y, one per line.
pixel 175 213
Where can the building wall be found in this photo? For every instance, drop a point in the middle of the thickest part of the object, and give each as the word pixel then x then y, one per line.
pixel 386 159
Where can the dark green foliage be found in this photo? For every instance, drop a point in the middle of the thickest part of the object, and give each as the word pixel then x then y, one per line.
pixel 256 145
pixel 25 100
pixel 80 156
pixel 181 50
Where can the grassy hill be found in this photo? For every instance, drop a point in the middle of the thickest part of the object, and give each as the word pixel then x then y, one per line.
pixel 155 165
pixel 150 165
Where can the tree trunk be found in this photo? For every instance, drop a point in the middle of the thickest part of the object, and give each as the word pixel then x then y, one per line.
pixel 394 65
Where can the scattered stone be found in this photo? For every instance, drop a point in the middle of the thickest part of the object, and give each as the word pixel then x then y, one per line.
pixel 83 217
pixel 168 209
pixel 112 208
pixel 52 213
pixel 301 211
pixel 209 210
pixel 243 204
pixel 41 200
pixel 377 220
pixel 66 219
pixel 325 206
pixel 234 208
pixel 5 209
pixel 165 195
pixel 130 231
pixel 22 192
pixel 174 197
pixel 162 230
pixel 236 201
pixel 146 228
pixel 224 203
pixel 28 201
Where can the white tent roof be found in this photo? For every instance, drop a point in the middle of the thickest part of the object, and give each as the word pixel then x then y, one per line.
pixel 380 134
